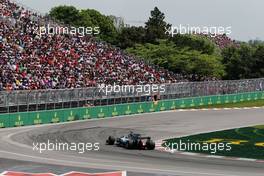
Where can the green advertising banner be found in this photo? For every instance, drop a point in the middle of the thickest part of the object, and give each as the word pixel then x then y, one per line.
pixel 67 115
pixel 4 121
pixel 85 113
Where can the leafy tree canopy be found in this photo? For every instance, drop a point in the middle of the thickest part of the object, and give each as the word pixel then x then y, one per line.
pixel 180 60
pixel 86 18
pixel 156 26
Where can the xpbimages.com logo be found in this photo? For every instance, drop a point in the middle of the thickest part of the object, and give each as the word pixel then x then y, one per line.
pixel 196 146
pixel 147 89
pixel 207 30
pixel 64 30
pixel 80 147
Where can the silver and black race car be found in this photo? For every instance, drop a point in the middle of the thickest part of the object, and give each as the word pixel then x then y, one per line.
pixel 132 141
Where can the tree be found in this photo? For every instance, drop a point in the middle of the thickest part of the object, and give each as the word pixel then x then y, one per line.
pixel 195 42
pixel 258 67
pixel 156 26
pixel 129 36
pixel 238 61
pixel 180 60
pixel 108 31
pixel 255 42
pixel 86 18
pixel 66 14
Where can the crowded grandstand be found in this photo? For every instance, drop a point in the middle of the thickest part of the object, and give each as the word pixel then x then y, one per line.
pixel 31 61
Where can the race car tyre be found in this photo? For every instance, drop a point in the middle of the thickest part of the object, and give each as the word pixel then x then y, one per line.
pixel 129 145
pixel 110 140
pixel 140 145
pixel 150 145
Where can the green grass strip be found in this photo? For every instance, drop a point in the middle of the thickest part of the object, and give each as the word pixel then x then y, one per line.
pixel 245 142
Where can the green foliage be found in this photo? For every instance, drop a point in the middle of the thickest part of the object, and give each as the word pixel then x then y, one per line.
pixel 107 29
pixel 243 141
pixel 66 14
pixel 154 29
pixel 242 62
pixel 129 36
pixel 255 42
pixel 189 54
pixel 180 60
pixel 86 18
pixel 195 42
pixel 156 26
pixel 259 62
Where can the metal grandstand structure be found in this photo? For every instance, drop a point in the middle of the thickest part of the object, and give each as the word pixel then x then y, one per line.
pixel 34 100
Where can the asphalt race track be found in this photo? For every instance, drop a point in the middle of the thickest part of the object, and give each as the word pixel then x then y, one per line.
pixel 16 145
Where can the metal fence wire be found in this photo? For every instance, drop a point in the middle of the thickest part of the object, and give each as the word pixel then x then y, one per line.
pixel 34 100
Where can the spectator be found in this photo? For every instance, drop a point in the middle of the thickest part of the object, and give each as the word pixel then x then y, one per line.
pixel 30 61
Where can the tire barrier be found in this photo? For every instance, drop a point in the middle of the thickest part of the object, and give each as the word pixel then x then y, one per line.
pixel 66 115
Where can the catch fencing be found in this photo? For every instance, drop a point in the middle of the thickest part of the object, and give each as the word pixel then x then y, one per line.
pixel 36 100
pixel 71 114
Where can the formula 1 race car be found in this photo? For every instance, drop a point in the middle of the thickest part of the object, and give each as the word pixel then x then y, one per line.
pixel 132 141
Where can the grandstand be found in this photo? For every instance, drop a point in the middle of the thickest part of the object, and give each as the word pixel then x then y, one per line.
pixel 37 100
pixel 33 65
pixel 30 61
pixel 222 40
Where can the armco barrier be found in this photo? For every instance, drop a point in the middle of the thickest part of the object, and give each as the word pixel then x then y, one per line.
pixel 65 115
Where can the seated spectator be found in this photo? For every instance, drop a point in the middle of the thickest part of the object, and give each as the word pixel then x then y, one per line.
pixel 30 61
